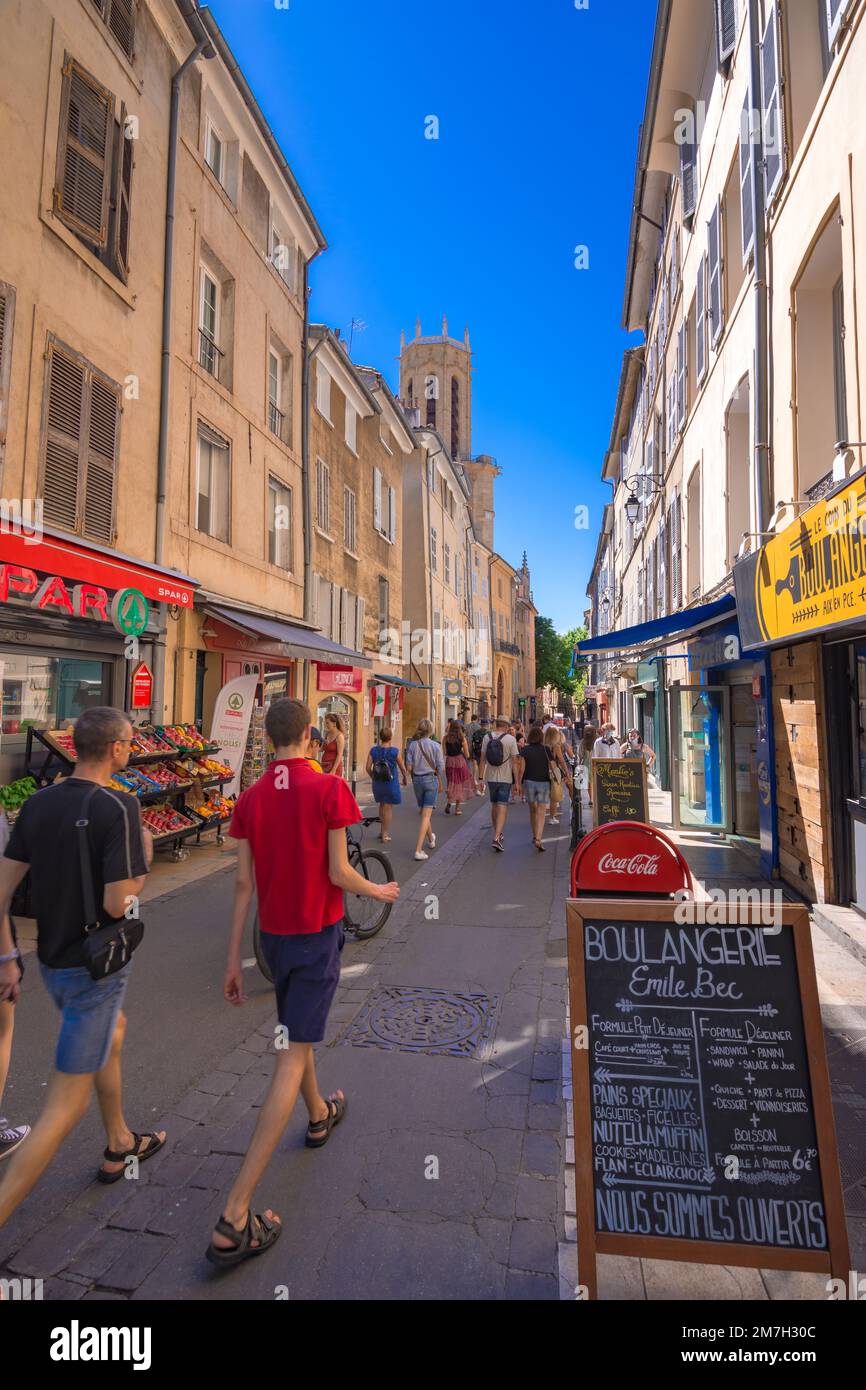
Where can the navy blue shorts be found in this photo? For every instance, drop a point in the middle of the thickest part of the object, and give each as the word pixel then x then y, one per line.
pixel 306 971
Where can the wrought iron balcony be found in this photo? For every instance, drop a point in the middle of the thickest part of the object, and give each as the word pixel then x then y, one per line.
pixel 209 355
pixel 510 647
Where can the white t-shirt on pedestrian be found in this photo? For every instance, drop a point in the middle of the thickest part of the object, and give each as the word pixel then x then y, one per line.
pixel 604 748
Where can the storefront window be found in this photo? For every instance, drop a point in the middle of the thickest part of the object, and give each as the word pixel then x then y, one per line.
pixel 47 692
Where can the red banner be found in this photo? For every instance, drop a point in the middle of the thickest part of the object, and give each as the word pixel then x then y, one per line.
pixel 339 678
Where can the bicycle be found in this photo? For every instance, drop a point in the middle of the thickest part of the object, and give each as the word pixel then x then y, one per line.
pixel 363 917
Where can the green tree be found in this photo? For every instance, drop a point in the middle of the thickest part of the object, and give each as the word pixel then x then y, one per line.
pixel 553 659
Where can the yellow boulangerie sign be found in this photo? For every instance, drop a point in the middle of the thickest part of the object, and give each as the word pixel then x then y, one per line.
pixel 813 574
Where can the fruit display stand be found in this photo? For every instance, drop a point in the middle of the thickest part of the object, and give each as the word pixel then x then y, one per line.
pixel 170 770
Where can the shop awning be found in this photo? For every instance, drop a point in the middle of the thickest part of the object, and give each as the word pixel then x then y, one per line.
pixel 398 680
pixel 660 629
pixel 296 642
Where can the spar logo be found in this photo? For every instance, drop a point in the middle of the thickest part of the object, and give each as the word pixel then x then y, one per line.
pixel 637 866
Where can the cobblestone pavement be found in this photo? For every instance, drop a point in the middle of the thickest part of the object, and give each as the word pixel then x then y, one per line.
pixel 445 1179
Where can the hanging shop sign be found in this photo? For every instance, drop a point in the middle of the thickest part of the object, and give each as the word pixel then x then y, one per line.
pixel 339 678
pixel 702 1116
pixel 141 687
pixel 231 722
pixel 811 576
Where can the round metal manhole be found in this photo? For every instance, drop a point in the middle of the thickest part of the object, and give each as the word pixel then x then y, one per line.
pixel 424 1020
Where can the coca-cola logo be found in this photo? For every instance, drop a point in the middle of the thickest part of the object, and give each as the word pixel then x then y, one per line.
pixel 639 865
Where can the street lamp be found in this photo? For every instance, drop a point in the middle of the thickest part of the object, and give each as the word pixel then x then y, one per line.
pixel 650 484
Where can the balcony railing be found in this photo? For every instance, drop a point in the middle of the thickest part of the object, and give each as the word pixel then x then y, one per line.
pixel 209 355
pixel 276 419
pixel 502 646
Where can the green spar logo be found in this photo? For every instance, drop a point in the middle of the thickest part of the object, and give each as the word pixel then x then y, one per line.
pixel 130 612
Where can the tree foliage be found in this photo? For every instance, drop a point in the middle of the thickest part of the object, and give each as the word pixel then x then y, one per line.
pixel 553 658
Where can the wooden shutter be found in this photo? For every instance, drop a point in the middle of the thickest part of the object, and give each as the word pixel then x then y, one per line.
pixel 747 206
pixel 347 618
pixel 66 398
pixel 377 499
pixel 335 612
pixel 83 167
pixel 676 557
pixel 101 462
pixel 714 271
pixel 662 564
pixel 688 176
pixel 122 195
pixel 392 514
pixel 682 377
pixel 360 611
pixel 773 118
pixel 701 320
pixel 121 22
pixel 726 31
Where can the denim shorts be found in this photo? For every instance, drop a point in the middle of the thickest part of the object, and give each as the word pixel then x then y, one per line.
pixel 500 792
pixel 89 1010
pixel 306 971
pixel 426 788
pixel 537 793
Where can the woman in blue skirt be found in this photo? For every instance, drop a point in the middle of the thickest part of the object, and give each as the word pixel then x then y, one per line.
pixel 386 769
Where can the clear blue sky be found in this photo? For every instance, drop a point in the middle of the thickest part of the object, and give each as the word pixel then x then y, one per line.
pixel 539 106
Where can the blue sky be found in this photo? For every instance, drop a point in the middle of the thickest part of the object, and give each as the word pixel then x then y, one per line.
pixel 539 105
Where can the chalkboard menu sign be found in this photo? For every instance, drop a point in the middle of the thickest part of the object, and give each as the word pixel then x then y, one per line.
pixel 703 1125
pixel 619 790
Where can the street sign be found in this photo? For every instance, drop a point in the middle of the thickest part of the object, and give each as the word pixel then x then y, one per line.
pixel 619 790
pixel 702 1117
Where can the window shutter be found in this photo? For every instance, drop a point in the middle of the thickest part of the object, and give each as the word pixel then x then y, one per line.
pixel 7 318
pixel 101 462
pixel 66 401
pixel 377 499
pixel 773 118
pixel 714 270
pixel 681 376
pixel 688 176
pixel 701 320
pixel 835 10
pixel 392 514
pixel 122 191
pixel 640 606
pixel 360 609
pixel 672 411
pixel 726 31
pixel 747 206
pixel 121 22
pixel 83 174
pixel 662 564
pixel 676 559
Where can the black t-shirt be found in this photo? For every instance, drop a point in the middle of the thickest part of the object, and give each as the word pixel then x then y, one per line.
pixel 44 836
pixel 536 762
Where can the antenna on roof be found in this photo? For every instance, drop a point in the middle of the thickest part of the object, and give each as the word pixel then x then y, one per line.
pixel 360 325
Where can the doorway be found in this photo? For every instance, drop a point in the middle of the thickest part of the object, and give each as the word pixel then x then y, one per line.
pixel 700 758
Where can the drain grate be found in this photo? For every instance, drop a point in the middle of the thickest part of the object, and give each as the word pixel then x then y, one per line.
pixel 436 1021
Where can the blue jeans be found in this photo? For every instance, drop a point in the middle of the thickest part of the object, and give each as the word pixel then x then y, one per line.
pixel 425 787
pixel 89 1010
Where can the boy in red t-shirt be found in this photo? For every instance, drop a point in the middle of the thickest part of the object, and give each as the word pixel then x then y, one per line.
pixel 291 831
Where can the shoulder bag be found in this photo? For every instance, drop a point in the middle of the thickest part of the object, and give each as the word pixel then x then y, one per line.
pixel 106 949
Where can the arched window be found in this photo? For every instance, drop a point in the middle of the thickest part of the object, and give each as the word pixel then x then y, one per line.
pixel 410 392
pixel 431 411
pixel 455 417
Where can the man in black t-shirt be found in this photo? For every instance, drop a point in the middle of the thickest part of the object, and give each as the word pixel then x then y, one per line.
pixel 45 841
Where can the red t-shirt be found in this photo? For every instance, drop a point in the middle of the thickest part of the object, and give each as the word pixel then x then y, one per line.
pixel 286 817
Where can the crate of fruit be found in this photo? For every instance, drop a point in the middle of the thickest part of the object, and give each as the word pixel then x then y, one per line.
pixel 147 743
pixel 185 738
pixel 165 821
pixel 61 741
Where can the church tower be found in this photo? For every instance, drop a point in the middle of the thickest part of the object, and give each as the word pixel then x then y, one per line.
pixel 436 378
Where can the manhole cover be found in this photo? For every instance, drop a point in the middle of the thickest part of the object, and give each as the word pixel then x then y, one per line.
pixel 424 1020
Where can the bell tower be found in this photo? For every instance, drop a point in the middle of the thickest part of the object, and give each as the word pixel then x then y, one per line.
pixel 436 377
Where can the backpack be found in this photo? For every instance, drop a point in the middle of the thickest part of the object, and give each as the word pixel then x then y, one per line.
pixel 381 770
pixel 477 739
pixel 495 752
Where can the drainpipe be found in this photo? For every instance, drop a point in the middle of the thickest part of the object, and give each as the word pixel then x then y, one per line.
pixel 761 483
pixel 201 48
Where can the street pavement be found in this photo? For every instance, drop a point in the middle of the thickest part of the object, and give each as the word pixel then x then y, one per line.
pixel 443 1181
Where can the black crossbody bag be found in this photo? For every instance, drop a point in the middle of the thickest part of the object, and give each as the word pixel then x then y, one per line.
pixel 106 949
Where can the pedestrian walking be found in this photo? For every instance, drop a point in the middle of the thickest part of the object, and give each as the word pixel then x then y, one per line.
pixel 459 786
pixel 535 760
pixel 290 826
pixel 475 747
pixel 501 769
pixel 335 743
pixel 584 760
pixel 88 857
pixel 10 1135
pixel 314 750
pixel 607 745
pixel 426 766
pixel 560 774
pixel 386 769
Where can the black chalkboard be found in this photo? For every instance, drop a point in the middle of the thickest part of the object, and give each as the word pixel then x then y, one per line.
pixel 619 790
pixel 702 1110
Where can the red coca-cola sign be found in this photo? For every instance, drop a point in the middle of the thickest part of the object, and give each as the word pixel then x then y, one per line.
pixel 623 858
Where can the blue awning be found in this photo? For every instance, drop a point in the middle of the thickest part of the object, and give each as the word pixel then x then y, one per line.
pixel 398 680
pixel 659 629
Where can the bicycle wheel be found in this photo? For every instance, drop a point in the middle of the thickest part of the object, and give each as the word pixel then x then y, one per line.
pixel 259 953
pixel 367 916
